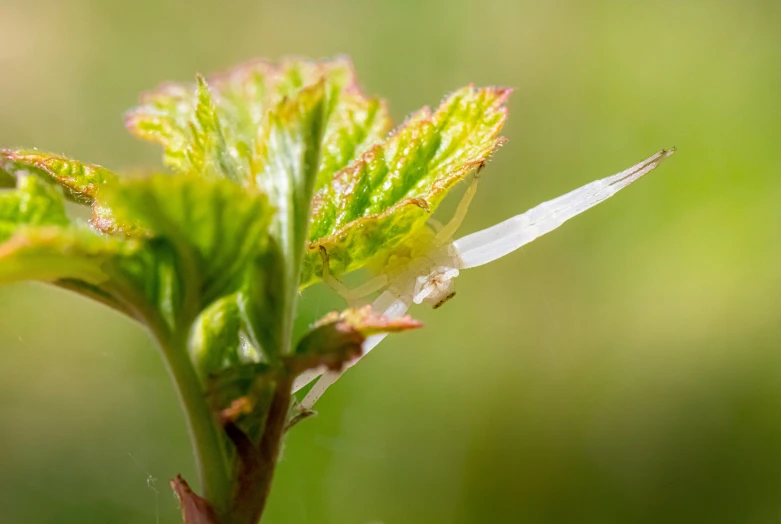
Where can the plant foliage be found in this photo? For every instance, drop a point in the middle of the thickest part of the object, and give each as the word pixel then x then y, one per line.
pixel 268 166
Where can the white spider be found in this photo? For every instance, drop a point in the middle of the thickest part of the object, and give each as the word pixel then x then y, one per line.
pixel 423 268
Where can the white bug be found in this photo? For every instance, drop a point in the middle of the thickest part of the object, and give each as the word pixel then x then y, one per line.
pixel 423 268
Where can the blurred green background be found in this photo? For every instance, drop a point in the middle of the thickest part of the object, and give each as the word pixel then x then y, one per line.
pixel 625 368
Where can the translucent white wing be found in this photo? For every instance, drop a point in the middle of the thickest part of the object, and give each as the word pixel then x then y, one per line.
pixel 495 242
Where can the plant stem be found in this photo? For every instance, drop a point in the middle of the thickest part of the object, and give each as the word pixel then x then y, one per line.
pixel 252 494
pixel 204 430
pixel 205 433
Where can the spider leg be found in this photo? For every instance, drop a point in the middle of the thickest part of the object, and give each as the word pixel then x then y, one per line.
pixel 505 237
pixel 449 229
pixel 306 377
pixel 367 288
pixel 351 296
pixel 435 224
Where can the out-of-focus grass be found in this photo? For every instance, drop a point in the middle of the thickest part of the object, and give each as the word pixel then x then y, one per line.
pixel 622 369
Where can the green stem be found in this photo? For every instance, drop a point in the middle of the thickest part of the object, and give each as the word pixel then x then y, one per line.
pixel 205 432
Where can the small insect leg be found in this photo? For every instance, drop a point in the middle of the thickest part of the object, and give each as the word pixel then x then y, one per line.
pixel 447 232
pixel 351 296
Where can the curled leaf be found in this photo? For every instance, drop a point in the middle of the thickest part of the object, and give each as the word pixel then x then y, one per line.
pixel 367 322
pixel 338 337
pixel 215 339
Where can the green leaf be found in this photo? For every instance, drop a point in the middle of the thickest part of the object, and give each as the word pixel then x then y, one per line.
pixel 186 121
pixel 100 268
pixel 286 165
pixel 376 202
pixel 215 227
pixel 135 276
pixel 49 254
pixel 181 117
pixel 337 338
pixel 354 125
pixel 249 92
pixel 166 116
pixel 215 340
pixel 263 301
pixel 38 242
pixel 208 152
pixel 81 181
pixel 192 240
pixel 33 202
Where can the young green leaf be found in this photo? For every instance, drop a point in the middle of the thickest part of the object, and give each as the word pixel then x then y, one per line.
pixel 247 93
pixel 166 116
pixel 49 254
pixel 354 125
pixel 208 151
pixel 263 299
pixel 379 200
pixel 181 118
pixel 215 227
pixel 33 203
pixel 286 165
pixel 81 181
pixel 215 340
pixel 38 242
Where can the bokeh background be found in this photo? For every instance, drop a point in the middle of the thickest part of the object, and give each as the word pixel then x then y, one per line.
pixel 625 368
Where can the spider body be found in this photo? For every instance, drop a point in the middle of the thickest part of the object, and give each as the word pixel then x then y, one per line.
pixel 420 268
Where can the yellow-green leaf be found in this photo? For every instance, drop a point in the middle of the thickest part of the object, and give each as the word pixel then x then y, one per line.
pixel 376 202
pixel 215 338
pixel 239 102
pixel 286 165
pixel 32 203
pixel 81 181
pixel 215 226
pixel 51 253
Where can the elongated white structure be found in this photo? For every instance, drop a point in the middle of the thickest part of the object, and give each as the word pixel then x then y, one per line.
pixel 497 241
pixel 430 279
